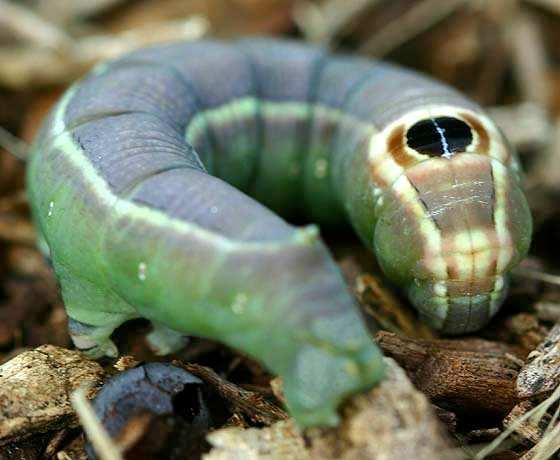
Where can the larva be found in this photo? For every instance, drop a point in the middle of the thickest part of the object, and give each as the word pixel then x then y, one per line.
pixel 147 179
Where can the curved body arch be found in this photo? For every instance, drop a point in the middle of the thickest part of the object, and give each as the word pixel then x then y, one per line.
pixel 156 180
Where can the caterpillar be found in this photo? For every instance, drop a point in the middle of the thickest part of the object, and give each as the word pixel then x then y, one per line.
pixel 157 183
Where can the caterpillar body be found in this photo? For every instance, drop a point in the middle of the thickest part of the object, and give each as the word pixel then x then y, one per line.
pixel 156 180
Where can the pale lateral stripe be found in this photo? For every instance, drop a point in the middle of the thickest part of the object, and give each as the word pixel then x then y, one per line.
pixel 430 233
pixel 246 107
pixel 505 253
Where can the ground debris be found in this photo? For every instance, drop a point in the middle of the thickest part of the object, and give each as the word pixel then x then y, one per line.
pixel 281 440
pixel 35 389
pixel 391 421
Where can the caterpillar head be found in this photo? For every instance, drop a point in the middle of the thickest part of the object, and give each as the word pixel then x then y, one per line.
pixel 453 221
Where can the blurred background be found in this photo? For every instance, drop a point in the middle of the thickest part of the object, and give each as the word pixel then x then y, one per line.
pixel 505 54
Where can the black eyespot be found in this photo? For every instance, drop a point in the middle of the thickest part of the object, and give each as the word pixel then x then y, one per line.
pixel 442 136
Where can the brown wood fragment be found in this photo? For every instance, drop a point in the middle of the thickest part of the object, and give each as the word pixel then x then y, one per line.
pixel 55 443
pixel 250 403
pixel 482 435
pixel 468 376
pixel 35 389
pixel 541 374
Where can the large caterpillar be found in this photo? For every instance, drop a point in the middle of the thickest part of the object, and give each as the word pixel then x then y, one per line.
pixel 140 183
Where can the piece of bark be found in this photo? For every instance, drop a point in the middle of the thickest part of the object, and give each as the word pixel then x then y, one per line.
pixel 541 374
pixel 250 403
pixel 35 389
pixel 391 421
pixel 482 435
pixel 467 376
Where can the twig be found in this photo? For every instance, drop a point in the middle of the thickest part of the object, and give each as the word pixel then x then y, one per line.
pixel 250 403
pixel 469 376
pixel 13 144
pixel 537 275
pixel 524 125
pixel 99 438
pixel 530 62
pixel 322 23
pixel 67 11
pixel 27 25
pixel 415 20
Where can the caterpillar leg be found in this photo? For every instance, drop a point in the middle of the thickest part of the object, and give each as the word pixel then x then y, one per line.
pixel 94 312
pixel 94 341
pixel 164 340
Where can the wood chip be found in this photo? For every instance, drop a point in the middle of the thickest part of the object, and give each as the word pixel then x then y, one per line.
pixel 35 389
pixel 469 376
pixel 541 374
pixel 279 441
